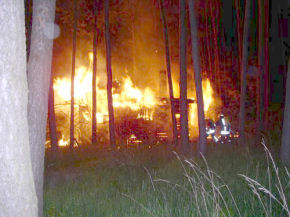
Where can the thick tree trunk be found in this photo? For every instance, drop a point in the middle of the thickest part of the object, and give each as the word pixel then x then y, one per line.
pixel 17 191
pixel 39 70
pixel 51 118
pixel 169 77
pixel 285 147
pixel 94 79
pixel 72 101
pixel 183 79
pixel 109 77
pixel 197 78
pixel 244 65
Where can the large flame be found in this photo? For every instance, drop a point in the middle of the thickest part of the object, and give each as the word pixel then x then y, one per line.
pixel 127 95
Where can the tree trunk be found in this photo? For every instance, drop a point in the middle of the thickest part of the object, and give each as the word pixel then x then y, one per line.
pixel 285 147
pixel 17 191
pixel 169 77
pixel 94 79
pixel 51 116
pixel 109 77
pixel 183 79
pixel 243 74
pixel 39 70
pixel 266 62
pixel 197 78
pixel 239 36
pixel 73 75
pixel 208 49
pixel 216 52
pixel 260 78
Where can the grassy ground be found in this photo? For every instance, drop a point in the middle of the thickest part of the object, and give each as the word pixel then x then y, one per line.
pixel 232 181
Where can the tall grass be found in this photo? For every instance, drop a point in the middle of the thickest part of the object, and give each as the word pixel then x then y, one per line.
pixel 230 181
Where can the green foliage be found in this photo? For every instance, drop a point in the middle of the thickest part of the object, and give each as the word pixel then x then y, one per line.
pixel 159 182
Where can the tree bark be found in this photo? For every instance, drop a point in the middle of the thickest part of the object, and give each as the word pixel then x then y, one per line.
pixel 197 78
pixel 94 79
pixel 183 79
pixel 285 147
pixel 243 66
pixel 73 75
pixel 39 70
pixel 17 191
pixel 109 77
pixel 169 77
pixel 51 118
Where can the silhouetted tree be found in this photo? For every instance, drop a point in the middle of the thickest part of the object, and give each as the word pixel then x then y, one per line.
pixel 17 190
pixel 197 77
pixel 109 76
pixel 243 70
pixel 51 117
pixel 261 61
pixel 183 78
pixel 94 86
pixel 169 77
pixel 73 74
pixel 39 71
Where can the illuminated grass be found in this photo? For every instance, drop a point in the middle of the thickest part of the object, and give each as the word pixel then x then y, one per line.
pixel 158 182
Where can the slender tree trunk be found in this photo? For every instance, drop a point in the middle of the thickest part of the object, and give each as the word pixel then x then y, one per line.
pixel 260 78
pixel 197 78
pixel 239 36
pixel 266 63
pixel 39 70
pixel 212 75
pixel 244 65
pixel 169 77
pixel 183 79
pixel 94 79
pixel 109 77
pixel 73 75
pixel 51 118
pixel 216 52
pixel 285 147
pixel 17 190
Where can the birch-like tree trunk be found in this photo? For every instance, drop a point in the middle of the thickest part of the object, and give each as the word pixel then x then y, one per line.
pixel 243 69
pixel 109 77
pixel 197 78
pixel 39 71
pixel 17 191
pixel 183 78
pixel 169 77
pixel 285 147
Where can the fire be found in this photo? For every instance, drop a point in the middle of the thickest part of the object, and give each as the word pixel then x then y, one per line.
pixel 133 97
pixel 62 142
pixel 208 99
pixel 125 95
